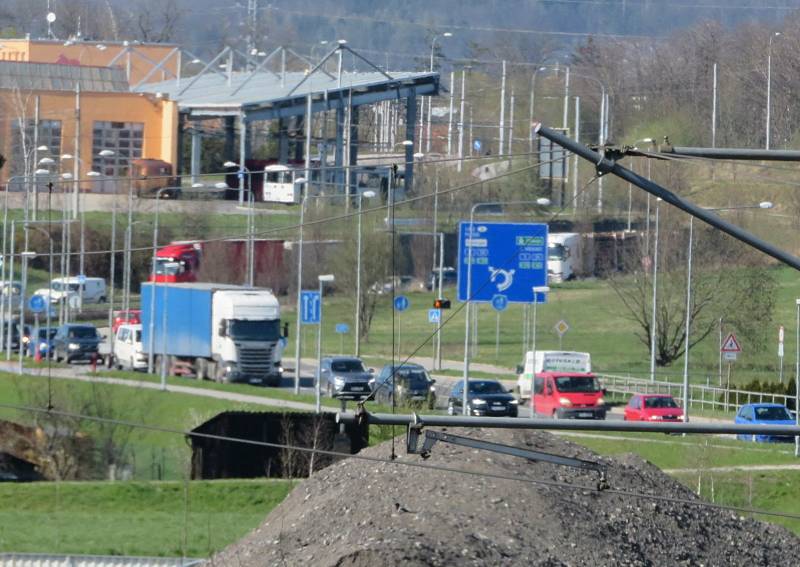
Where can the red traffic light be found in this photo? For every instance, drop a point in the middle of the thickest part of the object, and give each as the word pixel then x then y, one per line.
pixel 441 303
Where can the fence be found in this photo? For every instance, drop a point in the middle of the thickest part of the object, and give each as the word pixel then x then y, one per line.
pixel 45 560
pixel 702 397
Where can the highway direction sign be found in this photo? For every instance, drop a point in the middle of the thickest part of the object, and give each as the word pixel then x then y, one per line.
pixel 508 259
pixel 401 303
pixel 310 305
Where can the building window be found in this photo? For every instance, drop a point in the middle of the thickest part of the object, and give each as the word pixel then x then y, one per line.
pixel 23 146
pixel 125 139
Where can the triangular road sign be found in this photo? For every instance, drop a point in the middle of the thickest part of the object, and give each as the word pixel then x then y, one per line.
pixel 731 344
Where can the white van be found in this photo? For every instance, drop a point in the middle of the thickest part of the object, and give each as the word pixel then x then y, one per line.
pixel 550 361
pixel 128 352
pixel 92 290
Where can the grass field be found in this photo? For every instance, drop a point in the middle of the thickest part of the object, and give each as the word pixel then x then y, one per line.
pixel 191 519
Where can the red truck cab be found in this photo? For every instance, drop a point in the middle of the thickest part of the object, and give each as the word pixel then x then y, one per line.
pixel 569 395
pixel 178 262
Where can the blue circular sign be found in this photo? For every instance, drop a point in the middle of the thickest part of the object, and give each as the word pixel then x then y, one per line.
pixel 342 328
pixel 401 303
pixel 81 279
pixel 499 302
pixel 477 145
pixel 37 303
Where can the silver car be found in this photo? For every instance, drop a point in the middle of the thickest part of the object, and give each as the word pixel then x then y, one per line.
pixel 345 377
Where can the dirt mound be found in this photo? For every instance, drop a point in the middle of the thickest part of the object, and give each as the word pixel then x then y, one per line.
pixel 358 514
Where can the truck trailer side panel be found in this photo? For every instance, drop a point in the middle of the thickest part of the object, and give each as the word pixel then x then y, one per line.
pixel 182 320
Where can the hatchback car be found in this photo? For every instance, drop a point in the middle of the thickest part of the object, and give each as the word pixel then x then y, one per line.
pixel 76 342
pixel 764 414
pixel 484 397
pixel 652 407
pixel 409 384
pixel 345 377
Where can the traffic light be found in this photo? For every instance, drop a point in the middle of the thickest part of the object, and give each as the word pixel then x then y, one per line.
pixel 441 303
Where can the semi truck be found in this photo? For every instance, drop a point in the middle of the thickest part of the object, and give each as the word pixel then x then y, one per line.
pixel 572 255
pixel 226 333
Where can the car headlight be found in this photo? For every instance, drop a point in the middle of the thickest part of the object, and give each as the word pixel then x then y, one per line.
pixel 565 402
pixel 338 380
pixel 73 346
pixel 26 340
pixel 601 401
pixel 433 388
pixel 478 402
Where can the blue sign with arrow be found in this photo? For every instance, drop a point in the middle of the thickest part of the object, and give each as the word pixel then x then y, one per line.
pixel 310 307
pixel 507 259
pixel 401 303
pixel 499 302
pixel 37 304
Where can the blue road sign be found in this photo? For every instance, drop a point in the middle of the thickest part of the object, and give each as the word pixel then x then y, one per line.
pixel 434 316
pixel 37 304
pixel 401 303
pixel 499 302
pixel 342 328
pixel 507 259
pixel 310 307
pixel 477 145
pixel 81 279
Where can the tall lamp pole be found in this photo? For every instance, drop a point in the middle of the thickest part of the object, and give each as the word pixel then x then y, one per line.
pixel 769 83
pixel 361 195
pixel 653 323
pixel 428 135
pixel 536 291
pixel 323 279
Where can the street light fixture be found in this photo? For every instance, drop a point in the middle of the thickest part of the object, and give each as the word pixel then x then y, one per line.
pixel 47 161
pixel 323 279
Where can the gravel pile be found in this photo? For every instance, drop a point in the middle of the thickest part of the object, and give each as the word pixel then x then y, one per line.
pixel 363 514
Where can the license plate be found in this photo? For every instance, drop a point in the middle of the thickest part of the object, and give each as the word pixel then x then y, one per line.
pixel 584 414
pixel 357 389
pixel 497 405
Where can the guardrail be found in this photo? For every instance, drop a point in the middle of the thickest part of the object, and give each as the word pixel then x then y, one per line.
pixel 702 397
pixel 48 560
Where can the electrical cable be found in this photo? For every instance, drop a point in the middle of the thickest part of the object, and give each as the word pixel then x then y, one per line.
pixel 416 465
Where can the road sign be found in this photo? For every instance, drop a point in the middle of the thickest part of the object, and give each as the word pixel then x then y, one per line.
pixel 81 279
pixel 37 304
pixel 499 302
pixel 401 303
pixel 434 316
pixel 730 356
pixel 477 145
pixel 310 304
pixel 342 328
pixel 730 344
pixel 507 259
pixel 561 328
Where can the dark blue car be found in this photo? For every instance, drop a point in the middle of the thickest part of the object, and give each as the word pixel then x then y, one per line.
pixel 764 414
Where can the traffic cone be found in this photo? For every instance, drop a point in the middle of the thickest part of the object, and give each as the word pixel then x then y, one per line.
pixel 37 354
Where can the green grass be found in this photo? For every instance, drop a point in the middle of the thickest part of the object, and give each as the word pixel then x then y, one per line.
pixel 191 519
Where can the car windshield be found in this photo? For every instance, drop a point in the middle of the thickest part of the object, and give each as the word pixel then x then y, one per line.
pixel 772 414
pixel 577 384
pixel 257 330
pixel 555 252
pixel 82 333
pixel 166 267
pixel 660 402
pixel 347 366
pixel 486 387
pixel 43 333
pixel 414 378
pixel 58 286
pixel 138 338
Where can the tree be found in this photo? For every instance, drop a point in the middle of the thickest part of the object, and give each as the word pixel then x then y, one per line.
pixel 725 273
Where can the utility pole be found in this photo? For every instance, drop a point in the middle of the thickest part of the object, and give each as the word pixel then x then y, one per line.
pixel 714 110
pixel 252 19
pixel 511 127
pixel 461 121
pixel 501 147
pixel 450 116
pixel 575 156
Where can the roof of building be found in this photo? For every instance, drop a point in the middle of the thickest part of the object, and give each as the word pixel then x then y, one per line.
pixel 56 77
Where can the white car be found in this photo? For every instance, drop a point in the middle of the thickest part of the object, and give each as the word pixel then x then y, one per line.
pixel 127 351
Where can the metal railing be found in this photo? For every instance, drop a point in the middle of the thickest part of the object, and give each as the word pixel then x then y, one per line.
pixel 48 560
pixel 700 397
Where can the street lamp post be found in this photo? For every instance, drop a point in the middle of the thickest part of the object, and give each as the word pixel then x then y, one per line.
pixel 541 202
pixel 361 195
pixel 653 323
pixel 322 280
pixel 428 135
pixel 536 291
pixel 797 377
pixel 769 83
pixel 242 170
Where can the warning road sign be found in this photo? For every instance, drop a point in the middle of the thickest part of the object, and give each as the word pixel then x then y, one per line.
pixel 730 344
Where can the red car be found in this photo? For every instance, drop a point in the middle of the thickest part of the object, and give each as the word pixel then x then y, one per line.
pixel 129 317
pixel 653 407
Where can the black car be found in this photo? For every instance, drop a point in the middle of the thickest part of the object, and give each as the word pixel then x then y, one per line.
pixel 409 384
pixel 76 342
pixel 485 397
pixel 345 377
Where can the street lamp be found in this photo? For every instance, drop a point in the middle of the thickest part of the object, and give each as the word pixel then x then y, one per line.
pixel 769 82
pixel 323 279
pixel 26 255
pixel 361 195
pixel 653 323
pixel 541 202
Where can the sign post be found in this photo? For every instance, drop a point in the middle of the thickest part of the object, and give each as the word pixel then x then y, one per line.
pixel 342 329
pixel 561 328
pixel 500 303
pixel 730 350
pixel 780 353
pixel 401 303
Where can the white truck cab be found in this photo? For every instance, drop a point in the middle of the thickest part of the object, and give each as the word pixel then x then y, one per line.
pixel 564 258
pixel 128 352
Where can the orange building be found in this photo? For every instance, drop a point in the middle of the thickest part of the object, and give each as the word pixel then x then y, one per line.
pixel 141 62
pixel 71 114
